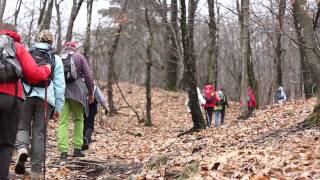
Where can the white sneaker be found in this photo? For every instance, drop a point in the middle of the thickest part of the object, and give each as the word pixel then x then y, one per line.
pixel 22 158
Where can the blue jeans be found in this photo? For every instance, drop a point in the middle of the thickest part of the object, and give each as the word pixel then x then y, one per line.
pixel 217 115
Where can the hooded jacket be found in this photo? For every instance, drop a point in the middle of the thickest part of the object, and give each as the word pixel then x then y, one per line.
pixel 30 70
pixel 57 86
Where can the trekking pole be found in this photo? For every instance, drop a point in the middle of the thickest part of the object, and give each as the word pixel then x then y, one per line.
pixel 45 128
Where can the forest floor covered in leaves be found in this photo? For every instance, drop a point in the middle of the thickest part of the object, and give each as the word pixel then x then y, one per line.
pixel 270 145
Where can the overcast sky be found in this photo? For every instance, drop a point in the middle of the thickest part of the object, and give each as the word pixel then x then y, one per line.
pixel 80 24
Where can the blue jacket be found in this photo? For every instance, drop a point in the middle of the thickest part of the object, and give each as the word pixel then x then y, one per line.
pixel 55 91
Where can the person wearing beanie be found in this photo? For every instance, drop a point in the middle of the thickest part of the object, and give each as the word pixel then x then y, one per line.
pixel 79 91
pixel 11 93
pixel 33 121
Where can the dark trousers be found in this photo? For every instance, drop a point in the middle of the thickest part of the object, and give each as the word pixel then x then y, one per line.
pixel 209 111
pixel 223 113
pixel 33 123
pixel 10 115
pixel 89 121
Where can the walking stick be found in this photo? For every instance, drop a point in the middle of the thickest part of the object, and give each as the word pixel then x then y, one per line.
pixel 45 128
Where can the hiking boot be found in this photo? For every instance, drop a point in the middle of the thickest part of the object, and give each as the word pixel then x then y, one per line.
pixel 64 156
pixel 35 176
pixel 78 153
pixel 85 145
pixel 21 160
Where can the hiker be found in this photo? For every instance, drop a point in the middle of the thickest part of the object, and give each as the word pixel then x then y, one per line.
pixel 211 97
pixel 224 105
pixel 219 109
pixel 201 100
pixel 78 92
pixel 89 120
pixel 15 60
pixel 280 95
pixel 251 102
pixel 33 120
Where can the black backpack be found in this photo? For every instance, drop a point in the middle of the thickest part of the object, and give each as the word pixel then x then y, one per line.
pixel 10 69
pixel 70 69
pixel 279 95
pixel 42 57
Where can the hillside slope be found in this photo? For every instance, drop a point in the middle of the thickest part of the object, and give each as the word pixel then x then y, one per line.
pixel 271 144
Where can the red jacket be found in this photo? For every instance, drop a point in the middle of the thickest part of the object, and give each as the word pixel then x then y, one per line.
pixel 210 96
pixel 30 70
pixel 251 101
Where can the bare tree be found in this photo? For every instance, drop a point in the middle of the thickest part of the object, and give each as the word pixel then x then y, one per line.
pixel 43 6
pixel 74 13
pixel 212 71
pixel 46 20
pixel 244 55
pixel 31 24
pixel 147 121
pixel 59 33
pixel 2 8
pixel 16 12
pixel 111 53
pixel 311 50
pixel 86 45
pixel 189 61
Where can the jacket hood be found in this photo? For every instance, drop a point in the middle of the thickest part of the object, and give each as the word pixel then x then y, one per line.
pixel 41 45
pixel 14 35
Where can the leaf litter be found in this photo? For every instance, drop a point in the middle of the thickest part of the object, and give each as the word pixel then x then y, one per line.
pixel 272 144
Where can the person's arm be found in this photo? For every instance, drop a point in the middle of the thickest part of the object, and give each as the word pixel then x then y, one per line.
pixel 226 101
pixel 30 69
pixel 59 84
pixel 100 98
pixel 87 73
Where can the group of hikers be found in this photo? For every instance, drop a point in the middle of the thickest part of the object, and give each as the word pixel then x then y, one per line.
pixel 36 84
pixel 216 102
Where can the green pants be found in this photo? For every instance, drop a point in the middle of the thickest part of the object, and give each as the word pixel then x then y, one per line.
pixel 76 108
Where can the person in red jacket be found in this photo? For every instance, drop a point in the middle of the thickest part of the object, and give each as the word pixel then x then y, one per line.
pixel 12 97
pixel 211 98
pixel 251 102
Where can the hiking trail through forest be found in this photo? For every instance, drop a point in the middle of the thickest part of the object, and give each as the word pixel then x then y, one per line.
pixel 271 144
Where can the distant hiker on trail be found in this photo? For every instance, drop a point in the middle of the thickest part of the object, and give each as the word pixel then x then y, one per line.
pixel 15 60
pixel 251 102
pixel 89 120
pixel 201 99
pixel 77 95
pixel 280 95
pixel 37 104
pixel 220 109
pixel 211 98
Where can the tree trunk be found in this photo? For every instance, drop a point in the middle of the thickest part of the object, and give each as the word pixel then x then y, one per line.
pixel 173 61
pixel 17 11
pixel 252 81
pixel 190 62
pixel 111 53
pixel 31 25
pixel 306 75
pixel 148 121
pixel 2 9
pixel 59 38
pixel 86 45
pixel 74 13
pixel 244 55
pixel 279 54
pixel 43 5
pixel 311 51
pixel 212 71
pixel 46 20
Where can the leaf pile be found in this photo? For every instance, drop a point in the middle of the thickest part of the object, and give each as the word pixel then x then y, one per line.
pixel 270 145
